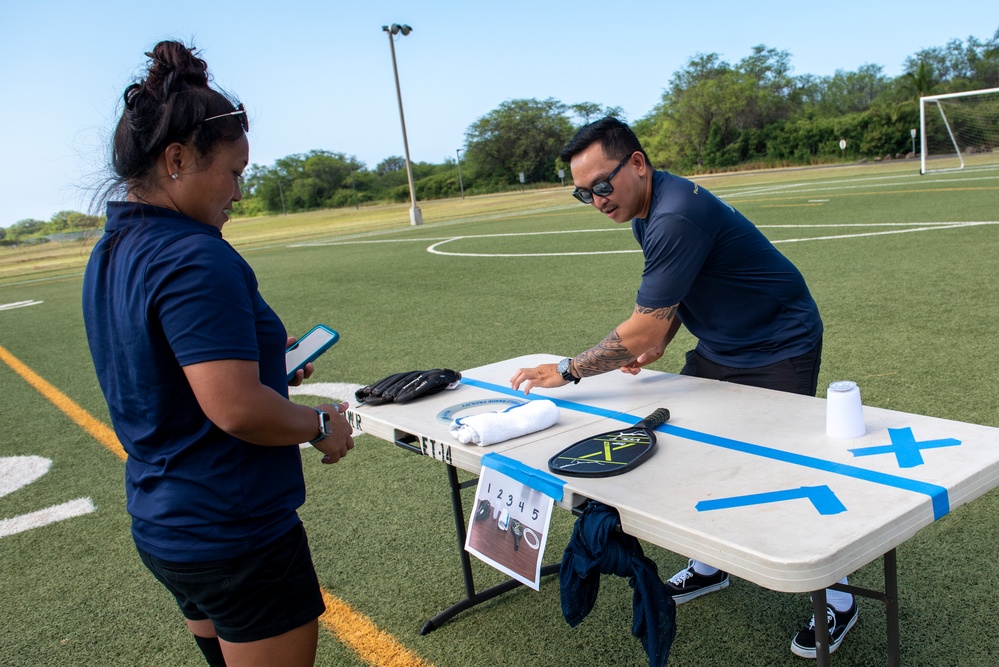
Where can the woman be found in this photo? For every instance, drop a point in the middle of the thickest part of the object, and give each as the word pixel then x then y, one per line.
pixel 191 362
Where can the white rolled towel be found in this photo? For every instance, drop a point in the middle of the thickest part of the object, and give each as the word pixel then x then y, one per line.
pixel 488 428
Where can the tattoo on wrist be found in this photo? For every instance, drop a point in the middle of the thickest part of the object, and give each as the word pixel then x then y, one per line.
pixel 610 354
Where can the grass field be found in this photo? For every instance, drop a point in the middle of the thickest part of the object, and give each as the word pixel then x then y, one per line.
pixel 903 268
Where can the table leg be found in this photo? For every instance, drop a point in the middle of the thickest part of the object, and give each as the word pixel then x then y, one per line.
pixel 891 608
pixel 890 599
pixel 821 628
pixel 472 597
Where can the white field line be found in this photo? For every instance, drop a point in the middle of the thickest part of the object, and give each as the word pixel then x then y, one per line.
pixel 341 240
pixel 830 186
pixel 898 228
pixel 18 304
pixel 68 510
pixel 746 192
pixel 17 472
pixel 335 391
pixel 893 231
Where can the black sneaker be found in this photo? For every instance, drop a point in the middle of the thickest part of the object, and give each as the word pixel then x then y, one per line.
pixel 840 623
pixel 686 584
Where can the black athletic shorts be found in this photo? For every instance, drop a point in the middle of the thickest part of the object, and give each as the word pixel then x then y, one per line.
pixel 262 594
pixel 798 375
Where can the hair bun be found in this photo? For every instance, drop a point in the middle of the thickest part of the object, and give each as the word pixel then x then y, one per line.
pixel 174 67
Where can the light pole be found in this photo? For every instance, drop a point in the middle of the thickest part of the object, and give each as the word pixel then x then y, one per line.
pixel 461 184
pixel 415 217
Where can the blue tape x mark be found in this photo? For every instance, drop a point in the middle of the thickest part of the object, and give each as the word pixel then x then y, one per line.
pixel 905 447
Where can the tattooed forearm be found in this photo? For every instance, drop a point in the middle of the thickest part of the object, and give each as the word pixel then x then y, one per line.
pixel 609 355
pixel 658 313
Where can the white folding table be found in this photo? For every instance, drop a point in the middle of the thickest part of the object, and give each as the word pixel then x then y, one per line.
pixel 744 479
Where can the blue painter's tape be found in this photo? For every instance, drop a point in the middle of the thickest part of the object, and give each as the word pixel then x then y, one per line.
pixel 905 447
pixel 938 494
pixel 939 498
pixel 578 407
pixel 536 479
pixel 821 497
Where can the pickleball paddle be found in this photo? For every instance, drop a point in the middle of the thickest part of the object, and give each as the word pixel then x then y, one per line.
pixel 610 453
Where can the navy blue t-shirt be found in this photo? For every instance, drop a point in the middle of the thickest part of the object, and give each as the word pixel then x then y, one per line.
pixel 162 291
pixel 746 303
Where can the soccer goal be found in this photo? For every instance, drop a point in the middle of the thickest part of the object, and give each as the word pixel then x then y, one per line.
pixel 958 130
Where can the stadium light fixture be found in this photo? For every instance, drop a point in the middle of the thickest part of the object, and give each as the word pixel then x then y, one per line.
pixel 415 216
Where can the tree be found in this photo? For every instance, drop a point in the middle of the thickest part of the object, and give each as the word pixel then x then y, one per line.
pixel 65 221
pixel 24 228
pixel 959 65
pixel 301 182
pixel 588 112
pixel 852 92
pixel 389 164
pixel 520 136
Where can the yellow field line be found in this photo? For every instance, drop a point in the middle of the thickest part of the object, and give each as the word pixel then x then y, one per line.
pixel 96 428
pixel 374 646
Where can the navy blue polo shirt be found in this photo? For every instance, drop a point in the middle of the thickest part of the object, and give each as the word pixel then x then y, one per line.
pixel 162 291
pixel 746 303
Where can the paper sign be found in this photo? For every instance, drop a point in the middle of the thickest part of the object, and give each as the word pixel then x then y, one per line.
pixel 509 524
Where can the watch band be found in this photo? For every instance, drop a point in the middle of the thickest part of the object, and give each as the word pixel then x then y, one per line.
pixel 565 370
pixel 324 426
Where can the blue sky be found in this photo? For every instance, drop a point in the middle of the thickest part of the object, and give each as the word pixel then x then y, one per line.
pixel 318 75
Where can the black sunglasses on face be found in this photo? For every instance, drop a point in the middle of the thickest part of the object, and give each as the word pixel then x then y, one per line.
pixel 601 189
pixel 240 111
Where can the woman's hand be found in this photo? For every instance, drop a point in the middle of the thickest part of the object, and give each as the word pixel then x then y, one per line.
pixel 301 373
pixel 340 441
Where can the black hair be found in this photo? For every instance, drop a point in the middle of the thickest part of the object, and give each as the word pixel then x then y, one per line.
pixel 616 138
pixel 169 105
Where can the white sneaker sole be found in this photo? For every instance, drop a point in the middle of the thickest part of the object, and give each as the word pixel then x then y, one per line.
pixel 704 590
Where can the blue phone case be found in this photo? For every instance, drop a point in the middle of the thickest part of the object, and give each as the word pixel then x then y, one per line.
pixel 309 347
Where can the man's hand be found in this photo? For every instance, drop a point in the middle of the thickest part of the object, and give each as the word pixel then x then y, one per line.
pixel 545 376
pixel 644 359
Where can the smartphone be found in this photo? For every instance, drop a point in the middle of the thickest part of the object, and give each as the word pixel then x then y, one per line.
pixel 308 348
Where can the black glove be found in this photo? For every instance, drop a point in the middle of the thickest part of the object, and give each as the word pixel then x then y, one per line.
pixel 407 386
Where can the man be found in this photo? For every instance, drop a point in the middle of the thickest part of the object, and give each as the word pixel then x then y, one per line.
pixel 709 268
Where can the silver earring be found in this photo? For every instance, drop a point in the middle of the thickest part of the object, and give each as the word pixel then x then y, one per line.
pixel 174 175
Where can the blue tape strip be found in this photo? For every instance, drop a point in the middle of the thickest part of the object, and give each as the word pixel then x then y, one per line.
pixel 535 479
pixel 578 407
pixel 821 497
pixel 937 494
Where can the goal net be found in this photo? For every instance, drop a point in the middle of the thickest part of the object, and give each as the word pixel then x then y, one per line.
pixel 959 130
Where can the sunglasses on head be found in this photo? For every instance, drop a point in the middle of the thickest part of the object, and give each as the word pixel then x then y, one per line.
pixel 601 189
pixel 240 111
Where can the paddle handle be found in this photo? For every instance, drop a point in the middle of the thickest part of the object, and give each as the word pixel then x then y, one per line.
pixel 656 419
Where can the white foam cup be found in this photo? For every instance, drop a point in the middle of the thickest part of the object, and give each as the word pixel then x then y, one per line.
pixel 844 413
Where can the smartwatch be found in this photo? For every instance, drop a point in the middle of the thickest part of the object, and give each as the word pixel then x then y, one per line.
pixel 565 371
pixel 324 426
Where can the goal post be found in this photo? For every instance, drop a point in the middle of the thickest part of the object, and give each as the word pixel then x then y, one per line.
pixel 958 130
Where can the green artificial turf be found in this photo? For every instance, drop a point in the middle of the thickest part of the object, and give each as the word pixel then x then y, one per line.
pixel 910 316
